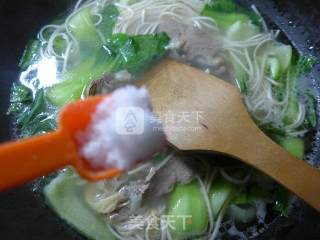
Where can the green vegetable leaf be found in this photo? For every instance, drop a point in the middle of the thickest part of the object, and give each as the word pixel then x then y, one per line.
pixel 37 107
pixel 281 201
pixel 42 123
pixel 187 200
pixel 305 64
pixel 31 114
pixel 272 130
pixel 121 52
pixel 292 110
pixel 65 194
pixel 110 15
pixel 137 52
pixel 311 110
pixel 220 192
pixel 84 30
pixel 244 213
pixel 148 49
pixel 29 54
pixel 59 45
pixel 293 145
pixel 19 97
pixel 227 12
pixel 300 66
pixel 252 195
pixel 227 6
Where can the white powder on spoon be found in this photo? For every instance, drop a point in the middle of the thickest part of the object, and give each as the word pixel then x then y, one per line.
pixel 123 130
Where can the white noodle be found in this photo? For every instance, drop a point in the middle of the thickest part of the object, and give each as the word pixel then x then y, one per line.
pixel 150 13
pixel 207 201
pixel 234 180
pixel 163 230
pixel 64 31
pixel 169 237
pixel 211 178
pixel 262 21
pixel 146 235
pixel 115 233
pixel 217 226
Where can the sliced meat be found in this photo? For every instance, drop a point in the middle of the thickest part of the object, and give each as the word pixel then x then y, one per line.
pixel 200 44
pixel 201 48
pixel 194 42
pixel 175 171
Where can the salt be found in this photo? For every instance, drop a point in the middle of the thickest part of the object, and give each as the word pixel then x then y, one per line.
pixel 123 130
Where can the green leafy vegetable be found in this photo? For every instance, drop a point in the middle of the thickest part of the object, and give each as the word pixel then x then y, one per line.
pixel 300 66
pixel 59 45
pixel 236 30
pixel 281 201
pixel 73 83
pixel 220 192
pixel 239 24
pixel 273 131
pixel 293 145
pixel 137 52
pixel 30 53
pixel 243 206
pixel 243 213
pixel 20 97
pixel 289 64
pixel 252 195
pixel 31 112
pixel 187 200
pixel 85 32
pixel 65 194
pixel 110 15
pixel 273 68
pixel 227 6
pixel 37 107
pixel 278 59
pixel 42 123
pixel 305 64
pixel 283 53
pixel 311 111
pixel 241 31
pixel 132 53
pixel 292 110
pixel 240 75
pixel 227 12
pixel 224 20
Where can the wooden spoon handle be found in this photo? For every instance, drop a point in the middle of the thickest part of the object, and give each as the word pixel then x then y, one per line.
pixel 294 174
pixel 27 159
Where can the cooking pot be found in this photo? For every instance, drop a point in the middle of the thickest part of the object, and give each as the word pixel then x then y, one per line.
pixel 24 214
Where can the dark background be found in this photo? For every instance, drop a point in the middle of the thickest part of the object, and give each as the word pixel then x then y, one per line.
pixel 23 214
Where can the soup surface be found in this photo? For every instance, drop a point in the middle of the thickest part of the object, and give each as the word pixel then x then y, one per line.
pixel 99 46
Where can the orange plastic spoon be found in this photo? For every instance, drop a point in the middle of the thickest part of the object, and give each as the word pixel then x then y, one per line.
pixel 24 160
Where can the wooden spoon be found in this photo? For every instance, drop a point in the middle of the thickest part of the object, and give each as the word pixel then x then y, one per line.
pixel 224 127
